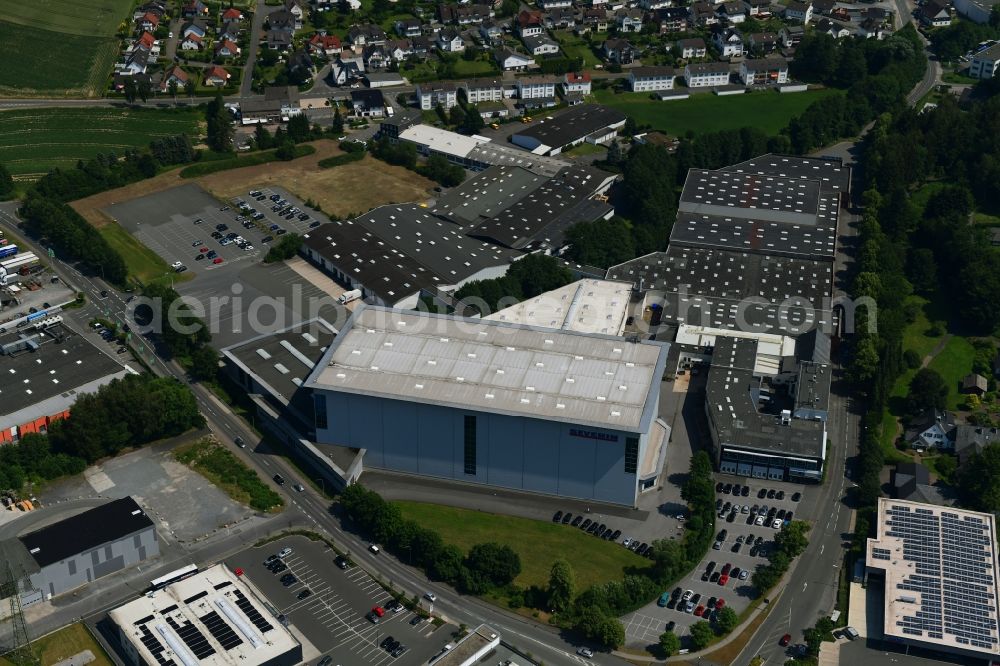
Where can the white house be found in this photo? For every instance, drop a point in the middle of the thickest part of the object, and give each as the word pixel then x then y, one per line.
pixel 549 5
pixel 191 43
pixel 985 63
pixel 935 14
pixel 764 71
pixel 536 87
pixel 651 79
pixel 511 61
pixel 798 11
pixel 540 45
pixel 483 90
pixel 578 84
pixel 706 74
pixel 433 93
pixel 450 40
pixel 692 48
pixel 729 42
pixel 732 11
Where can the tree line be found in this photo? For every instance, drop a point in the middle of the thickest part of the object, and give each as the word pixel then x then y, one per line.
pixel 188 342
pixel 436 167
pixel 526 278
pixel 127 413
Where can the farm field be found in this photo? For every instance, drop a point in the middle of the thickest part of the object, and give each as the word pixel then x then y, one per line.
pixel 58 47
pixel 33 141
pixel 705 112
pixel 538 543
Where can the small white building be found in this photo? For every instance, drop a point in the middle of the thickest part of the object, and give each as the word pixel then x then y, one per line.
pixel 729 42
pixel 985 63
pixel 651 79
pixel 579 84
pixel 798 11
pixel 764 71
pixel 483 90
pixel 536 87
pixel 434 93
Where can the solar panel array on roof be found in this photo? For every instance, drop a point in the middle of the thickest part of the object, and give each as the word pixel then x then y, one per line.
pixel 193 638
pixel 221 631
pixel 258 620
pixel 154 645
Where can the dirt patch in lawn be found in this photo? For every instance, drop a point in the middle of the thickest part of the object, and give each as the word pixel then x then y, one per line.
pixel 351 188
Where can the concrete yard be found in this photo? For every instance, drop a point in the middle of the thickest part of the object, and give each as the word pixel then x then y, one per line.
pixel 333 619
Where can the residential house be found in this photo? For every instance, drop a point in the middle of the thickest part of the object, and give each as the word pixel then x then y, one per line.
pixel 974 384
pixel 912 482
pixel 629 20
pixel 410 27
pixel 375 57
pixel 322 44
pixel 536 87
pixel 549 5
pixel 367 103
pixel 230 31
pixel 935 14
pixel 216 76
pixel 841 14
pixel 194 28
pixel 757 7
pixel 791 35
pixel 282 20
pixel 360 36
pixel 872 28
pixel 657 139
pixel 194 8
pixel 703 13
pixel 984 64
pixel 576 83
pixel 491 32
pixel 147 41
pixel 136 62
pixel 465 14
pixel 764 71
pixel 796 10
pixel 832 28
pixel 619 51
pixel 593 20
pixel 294 7
pixel 226 49
pixel 155 7
pixel 278 40
pixel 823 7
pixel 651 5
pixel 729 42
pixel 301 64
pixel 450 40
pixel 232 14
pixel 122 78
pixel 540 45
pixel 970 440
pixel 399 50
pixel 173 74
pixel 346 69
pixel 934 429
pixel 561 18
pixel 732 12
pixel 671 19
pixel 192 42
pixel 422 45
pixel 691 48
pixel 512 61
pixel 437 93
pixel 529 22
pixel 763 42
pixel 149 22
pixel 651 79
pixel 706 74
pixel 483 90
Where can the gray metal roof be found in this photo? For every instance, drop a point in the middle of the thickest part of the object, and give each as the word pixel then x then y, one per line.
pixel 491 366
pixel 573 125
pixel 487 194
pixel 830 172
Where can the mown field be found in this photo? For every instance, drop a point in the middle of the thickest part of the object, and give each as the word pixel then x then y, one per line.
pixel 704 112
pixel 58 47
pixel 33 141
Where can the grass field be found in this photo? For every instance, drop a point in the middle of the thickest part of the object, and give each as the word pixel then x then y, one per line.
pixel 65 643
pixel 143 264
pixel 538 543
pixel 705 112
pixel 58 46
pixel 953 363
pixel 576 47
pixel 33 141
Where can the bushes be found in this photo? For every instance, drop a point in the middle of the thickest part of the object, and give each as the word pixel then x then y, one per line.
pixel 284 249
pixel 488 566
pixel 219 465
pixel 253 159
pixel 788 544
pixel 340 160
pixel 526 278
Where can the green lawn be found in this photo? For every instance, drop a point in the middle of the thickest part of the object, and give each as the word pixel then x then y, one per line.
pixel 576 47
pixel 585 149
pixel 59 46
pixel 465 67
pixel 33 141
pixel 143 264
pixel 65 643
pixel 538 543
pixel 704 112
pixel 953 363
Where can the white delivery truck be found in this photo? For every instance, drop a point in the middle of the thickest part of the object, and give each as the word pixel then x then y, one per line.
pixel 348 296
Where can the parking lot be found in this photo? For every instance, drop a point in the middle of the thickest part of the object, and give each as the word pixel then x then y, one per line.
pixel 333 615
pixel 644 626
pixel 240 296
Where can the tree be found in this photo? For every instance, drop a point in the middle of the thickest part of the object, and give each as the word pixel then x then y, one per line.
pixel 6 183
pixel 611 633
pixel 338 120
pixel 286 151
pixel 562 585
pixel 172 88
pixel 130 90
pixel 262 137
pixel 669 643
pixel 978 480
pixel 928 390
pixel 298 128
pixel 495 563
pixel 189 87
pixel 220 125
pixel 615 154
pixel 701 635
pixel 447 564
pixel 727 620
pixel 144 88
pixel 602 243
